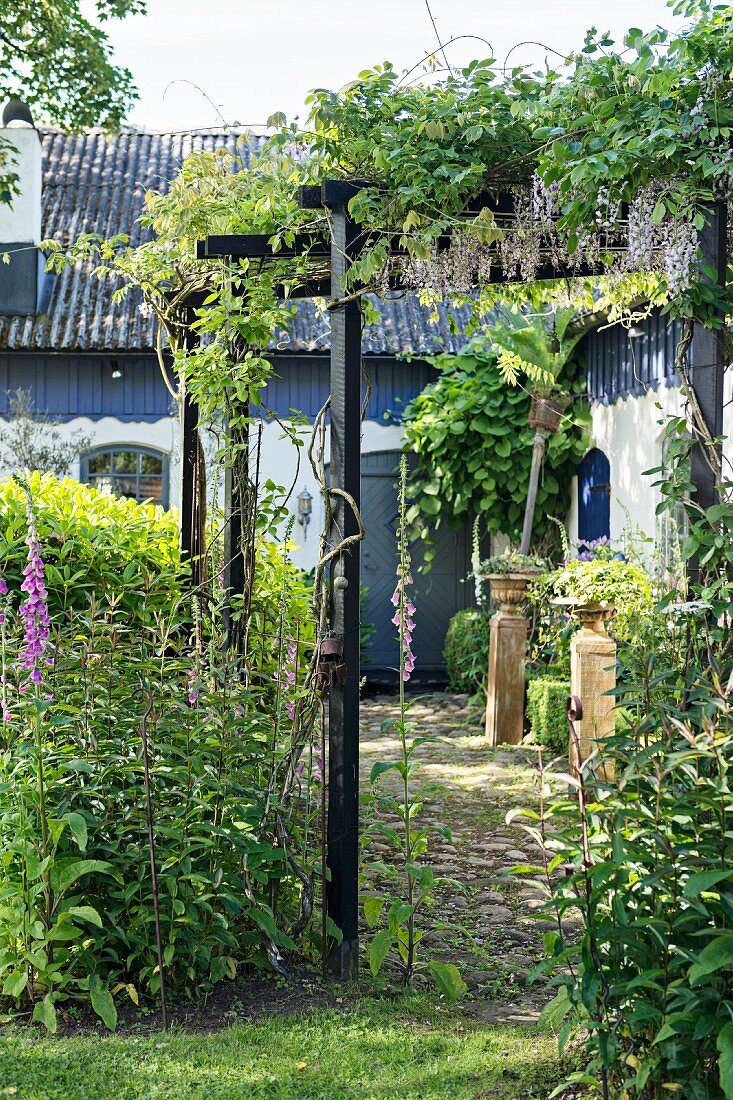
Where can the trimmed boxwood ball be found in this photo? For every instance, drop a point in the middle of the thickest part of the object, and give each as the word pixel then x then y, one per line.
pixel 547 713
pixel 466 652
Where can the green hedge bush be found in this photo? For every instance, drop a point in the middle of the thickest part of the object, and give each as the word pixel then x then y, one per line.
pixel 93 544
pixel 466 651
pixel 547 713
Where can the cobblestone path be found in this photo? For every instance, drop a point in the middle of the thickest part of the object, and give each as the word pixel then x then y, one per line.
pixel 496 941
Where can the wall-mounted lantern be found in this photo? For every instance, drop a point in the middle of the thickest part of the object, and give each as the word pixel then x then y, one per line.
pixel 305 508
pixel 116 369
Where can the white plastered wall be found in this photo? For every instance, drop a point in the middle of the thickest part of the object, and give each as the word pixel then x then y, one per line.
pixel 279 461
pixel 161 435
pixel 630 433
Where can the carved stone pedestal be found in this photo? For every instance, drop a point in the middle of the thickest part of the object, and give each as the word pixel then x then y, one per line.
pixel 592 675
pixel 507 651
pixel 505 699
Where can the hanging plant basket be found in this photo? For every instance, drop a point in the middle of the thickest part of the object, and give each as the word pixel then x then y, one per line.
pixel 545 413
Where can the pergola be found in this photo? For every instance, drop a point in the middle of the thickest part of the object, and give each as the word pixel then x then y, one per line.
pixel 341 248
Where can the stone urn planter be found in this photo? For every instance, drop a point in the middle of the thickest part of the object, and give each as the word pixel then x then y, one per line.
pixel 592 680
pixel 509 589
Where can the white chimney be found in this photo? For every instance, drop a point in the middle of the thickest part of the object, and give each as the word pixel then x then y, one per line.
pixel 20 221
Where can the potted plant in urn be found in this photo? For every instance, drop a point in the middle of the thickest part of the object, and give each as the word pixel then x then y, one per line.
pixel 509 575
pixel 600 589
pixel 593 592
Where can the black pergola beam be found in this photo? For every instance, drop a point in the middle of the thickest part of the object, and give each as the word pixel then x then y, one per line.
pixel 258 245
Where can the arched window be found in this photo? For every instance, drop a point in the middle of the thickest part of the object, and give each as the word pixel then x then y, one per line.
pixel 594 497
pixel 137 472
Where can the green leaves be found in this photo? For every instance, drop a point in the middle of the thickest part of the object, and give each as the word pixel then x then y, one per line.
pixel 716 954
pixel 44 1012
pixel 103 1002
pixel 705 880
pixel 379 949
pixel 474 447
pixel 66 873
pixel 373 910
pixel 448 980
pixel 725 1062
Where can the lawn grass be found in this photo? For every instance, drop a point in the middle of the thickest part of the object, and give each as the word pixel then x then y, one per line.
pixel 407 1049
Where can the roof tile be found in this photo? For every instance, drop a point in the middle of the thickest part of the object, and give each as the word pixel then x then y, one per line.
pixel 95 183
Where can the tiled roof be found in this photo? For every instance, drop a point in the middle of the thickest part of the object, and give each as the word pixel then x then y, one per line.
pixel 94 183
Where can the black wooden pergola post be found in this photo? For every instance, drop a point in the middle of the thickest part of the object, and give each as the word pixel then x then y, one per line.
pixel 190 542
pixel 342 894
pixel 708 361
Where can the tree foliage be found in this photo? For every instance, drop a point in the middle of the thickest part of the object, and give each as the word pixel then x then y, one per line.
pixel 33 439
pixel 59 61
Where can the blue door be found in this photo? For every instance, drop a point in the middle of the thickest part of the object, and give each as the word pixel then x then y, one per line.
pixel 594 497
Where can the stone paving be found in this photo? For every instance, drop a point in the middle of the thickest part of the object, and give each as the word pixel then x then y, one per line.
pixel 495 941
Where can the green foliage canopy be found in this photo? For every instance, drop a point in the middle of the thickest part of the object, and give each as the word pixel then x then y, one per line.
pixel 474 449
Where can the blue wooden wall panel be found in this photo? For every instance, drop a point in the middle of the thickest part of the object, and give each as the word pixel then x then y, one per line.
pixel 301 383
pixel 68 386
pixel 618 366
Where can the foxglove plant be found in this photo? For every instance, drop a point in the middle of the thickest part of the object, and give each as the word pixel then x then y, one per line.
pixel 33 611
pixel 415 880
pixel 7 715
pixel 287 676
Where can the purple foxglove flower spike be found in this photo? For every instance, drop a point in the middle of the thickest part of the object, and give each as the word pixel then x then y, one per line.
pixel 34 610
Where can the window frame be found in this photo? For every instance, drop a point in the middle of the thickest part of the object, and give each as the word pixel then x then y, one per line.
pixel 140 451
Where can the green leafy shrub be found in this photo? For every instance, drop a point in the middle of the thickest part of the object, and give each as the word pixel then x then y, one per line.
pixel 137 729
pixel 547 713
pixel 474 449
pixel 466 650
pixel 94 544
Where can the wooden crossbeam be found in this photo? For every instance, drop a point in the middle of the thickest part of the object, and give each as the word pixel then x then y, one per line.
pixel 257 245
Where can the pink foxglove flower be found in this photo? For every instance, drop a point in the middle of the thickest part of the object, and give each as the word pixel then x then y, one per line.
pixel 4 704
pixel 403 618
pixel 287 677
pixel 34 609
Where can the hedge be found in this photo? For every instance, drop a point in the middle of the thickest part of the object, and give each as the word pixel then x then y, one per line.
pixel 466 651
pixel 547 713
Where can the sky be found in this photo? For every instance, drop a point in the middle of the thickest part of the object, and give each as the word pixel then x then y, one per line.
pixel 251 58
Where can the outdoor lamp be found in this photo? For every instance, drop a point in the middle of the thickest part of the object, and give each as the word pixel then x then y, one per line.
pixel 635 332
pixel 305 507
pixel 116 369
